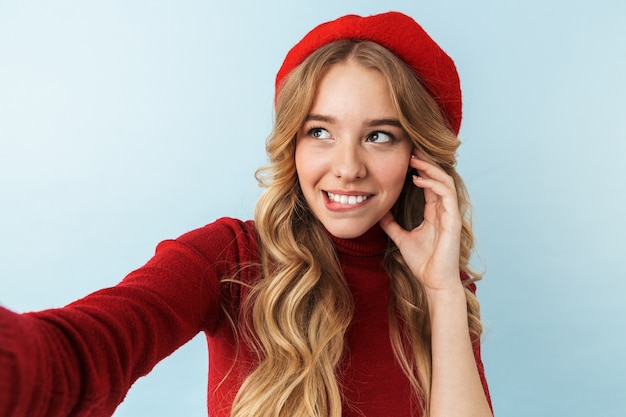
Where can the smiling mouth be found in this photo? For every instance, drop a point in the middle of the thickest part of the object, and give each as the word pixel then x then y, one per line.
pixel 346 199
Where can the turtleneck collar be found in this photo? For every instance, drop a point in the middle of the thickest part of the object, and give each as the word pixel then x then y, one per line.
pixel 371 243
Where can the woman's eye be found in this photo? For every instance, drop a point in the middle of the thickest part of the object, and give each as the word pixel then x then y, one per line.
pixel 319 133
pixel 380 137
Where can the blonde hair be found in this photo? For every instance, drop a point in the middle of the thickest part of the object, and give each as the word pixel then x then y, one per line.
pixel 298 311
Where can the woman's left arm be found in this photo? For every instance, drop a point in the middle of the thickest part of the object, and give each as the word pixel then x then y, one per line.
pixel 431 251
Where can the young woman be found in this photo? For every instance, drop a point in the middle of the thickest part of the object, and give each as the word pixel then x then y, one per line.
pixel 350 293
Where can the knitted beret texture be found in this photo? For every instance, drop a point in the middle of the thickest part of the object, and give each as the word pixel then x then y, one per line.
pixel 405 38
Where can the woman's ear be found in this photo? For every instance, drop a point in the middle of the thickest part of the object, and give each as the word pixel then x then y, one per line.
pixel 411 156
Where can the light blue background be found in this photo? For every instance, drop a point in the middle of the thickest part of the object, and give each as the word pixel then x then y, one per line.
pixel 123 123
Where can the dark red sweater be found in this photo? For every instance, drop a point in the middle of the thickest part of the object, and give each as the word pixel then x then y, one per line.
pixel 82 359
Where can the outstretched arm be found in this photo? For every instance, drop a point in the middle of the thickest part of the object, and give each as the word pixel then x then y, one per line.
pixel 81 360
pixel 431 251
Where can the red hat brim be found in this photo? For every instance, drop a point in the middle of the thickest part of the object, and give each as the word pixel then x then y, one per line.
pixel 406 39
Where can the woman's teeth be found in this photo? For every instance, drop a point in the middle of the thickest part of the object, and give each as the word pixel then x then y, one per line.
pixel 346 199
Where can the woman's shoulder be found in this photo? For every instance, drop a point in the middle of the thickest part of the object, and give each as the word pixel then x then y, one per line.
pixel 224 228
pixel 224 234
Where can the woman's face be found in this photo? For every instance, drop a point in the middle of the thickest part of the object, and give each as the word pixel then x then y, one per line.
pixel 352 155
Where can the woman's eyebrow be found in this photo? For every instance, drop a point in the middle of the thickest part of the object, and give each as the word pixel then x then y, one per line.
pixel 383 122
pixel 320 118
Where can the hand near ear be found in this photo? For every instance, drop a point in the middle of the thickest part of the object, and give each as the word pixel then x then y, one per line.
pixel 431 250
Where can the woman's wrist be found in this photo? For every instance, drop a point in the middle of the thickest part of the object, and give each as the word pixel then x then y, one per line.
pixel 447 299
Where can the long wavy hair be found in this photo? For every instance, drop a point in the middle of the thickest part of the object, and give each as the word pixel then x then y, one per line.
pixel 298 311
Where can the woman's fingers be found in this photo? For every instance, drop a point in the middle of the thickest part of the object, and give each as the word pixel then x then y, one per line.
pixel 393 229
pixel 433 188
pixel 426 168
pixel 439 191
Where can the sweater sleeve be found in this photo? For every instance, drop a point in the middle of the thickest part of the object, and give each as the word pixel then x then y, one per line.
pixel 81 360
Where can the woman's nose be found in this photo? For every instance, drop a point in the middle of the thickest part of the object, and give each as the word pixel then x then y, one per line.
pixel 348 163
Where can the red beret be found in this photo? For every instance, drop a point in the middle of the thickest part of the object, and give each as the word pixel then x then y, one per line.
pixel 405 38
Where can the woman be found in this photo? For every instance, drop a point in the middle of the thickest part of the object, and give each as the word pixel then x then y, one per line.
pixel 349 294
